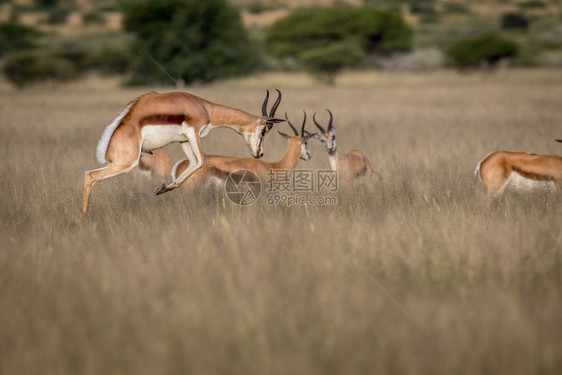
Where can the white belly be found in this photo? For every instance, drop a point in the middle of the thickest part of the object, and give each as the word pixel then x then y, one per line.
pixel 520 184
pixel 158 136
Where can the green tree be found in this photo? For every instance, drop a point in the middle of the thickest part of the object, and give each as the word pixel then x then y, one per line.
pixel 515 21
pixel 192 40
pixel 484 50
pixel 326 62
pixel 320 38
pixel 376 30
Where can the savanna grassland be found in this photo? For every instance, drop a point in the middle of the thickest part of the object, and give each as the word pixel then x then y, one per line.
pixel 415 274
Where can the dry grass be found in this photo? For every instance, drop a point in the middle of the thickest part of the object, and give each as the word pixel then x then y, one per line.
pixel 171 284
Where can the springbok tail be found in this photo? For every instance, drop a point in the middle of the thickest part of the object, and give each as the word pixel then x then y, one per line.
pixel 108 132
pixel 476 173
pixel 477 170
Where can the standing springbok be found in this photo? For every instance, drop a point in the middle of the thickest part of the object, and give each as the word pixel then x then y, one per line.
pixel 351 166
pixel 157 164
pixel 520 172
pixel 154 120
pixel 220 167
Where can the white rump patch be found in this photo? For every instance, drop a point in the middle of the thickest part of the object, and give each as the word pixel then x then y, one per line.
pixel 516 182
pixel 108 132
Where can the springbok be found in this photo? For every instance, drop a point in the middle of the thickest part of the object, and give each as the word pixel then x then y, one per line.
pixel 220 167
pixel 157 164
pixel 351 166
pixel 154 120
pixel 520 172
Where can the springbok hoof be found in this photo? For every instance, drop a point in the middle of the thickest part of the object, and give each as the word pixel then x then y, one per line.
pixel 162 190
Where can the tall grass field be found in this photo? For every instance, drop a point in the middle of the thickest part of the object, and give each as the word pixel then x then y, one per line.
pixel 414 273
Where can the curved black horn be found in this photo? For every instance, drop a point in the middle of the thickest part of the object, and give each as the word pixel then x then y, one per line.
pixel 264 105
pixel 559 140
pixel 317 124
pixel 303 123
pixel 275 105
pixel 330 124
pixel 291 125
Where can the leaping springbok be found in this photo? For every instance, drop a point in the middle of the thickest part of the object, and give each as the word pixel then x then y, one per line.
pixel 154 120
pixel 220 167
pixel 520 172
pixel 351 166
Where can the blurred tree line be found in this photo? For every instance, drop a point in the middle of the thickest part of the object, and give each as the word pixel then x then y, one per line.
pixel 326 40
pixel 190 41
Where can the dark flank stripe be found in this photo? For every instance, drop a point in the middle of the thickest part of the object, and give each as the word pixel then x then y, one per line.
pixel 533 176
pixel 162 119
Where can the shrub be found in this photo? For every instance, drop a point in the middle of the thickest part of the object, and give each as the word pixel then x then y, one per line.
pixel 377 31
pixel 484 50
pixel 429 17
pixel 258 7
pixel 76 55
pixel 93 18
pixel 66 62
pixel 27 68
pixel 192 40
pixel 514 21
pixel 45 3
pixel 326 62
pixel 456 8
pixel 422 7
pixel 110 59
pixel 532 4
pixel 58 15
pixel 15 37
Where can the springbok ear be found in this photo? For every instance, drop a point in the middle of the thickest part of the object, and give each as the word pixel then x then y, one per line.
pixel 313 135
pixel 270 121
pixel 283 134
pixel 309 135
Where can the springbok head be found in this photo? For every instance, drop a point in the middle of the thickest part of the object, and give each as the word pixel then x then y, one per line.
pixel 265 123
pixel 328 135
pixel 302 138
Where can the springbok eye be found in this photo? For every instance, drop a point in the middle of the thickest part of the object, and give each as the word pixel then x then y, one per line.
pixel 263 131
